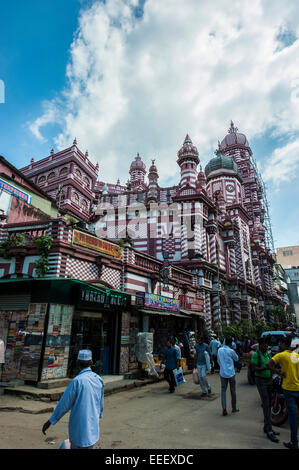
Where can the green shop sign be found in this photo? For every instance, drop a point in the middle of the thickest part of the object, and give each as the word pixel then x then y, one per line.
pixel 106 298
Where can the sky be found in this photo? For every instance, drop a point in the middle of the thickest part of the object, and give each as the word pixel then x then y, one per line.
pixel 135 76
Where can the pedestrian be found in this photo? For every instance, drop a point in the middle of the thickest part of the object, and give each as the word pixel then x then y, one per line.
pixel 289 362
pixel 171 356
pixel 226 358
pixel 201 364
pixel 84 396
pixel 174 342
pixel 214 346
pixel 263 380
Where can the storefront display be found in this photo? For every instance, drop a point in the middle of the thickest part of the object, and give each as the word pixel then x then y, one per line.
pixel 33 341
pixel 56 354
pixel 12 331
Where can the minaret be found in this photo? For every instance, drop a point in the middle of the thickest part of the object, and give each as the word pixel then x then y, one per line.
pixel 137 173
pixel 201 180
pixel 188 161
pixel 152 195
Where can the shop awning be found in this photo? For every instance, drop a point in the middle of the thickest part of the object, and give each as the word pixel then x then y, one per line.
pixel 192 312
pixel 163 312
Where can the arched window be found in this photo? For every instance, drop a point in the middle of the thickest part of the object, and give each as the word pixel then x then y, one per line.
pixel 42 180
pixel 63 171
pixel 86 181
pixel 84 205
pixel 51 176
pixel 75 198
pixel 78 173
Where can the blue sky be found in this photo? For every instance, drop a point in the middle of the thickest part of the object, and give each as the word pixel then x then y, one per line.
pixel 128 76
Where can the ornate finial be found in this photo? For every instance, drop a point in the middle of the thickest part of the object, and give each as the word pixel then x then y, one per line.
pixel 75 141
pixel 232 129
pixel 52 152
pixel 153 162
pixel 86 154
pixel 32 160
pixel 118 182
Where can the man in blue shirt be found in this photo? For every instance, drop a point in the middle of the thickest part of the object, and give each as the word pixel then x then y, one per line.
pixel 201 364
pixel 84 396
pixel 214 346
pixel 171 355
pixel 226 358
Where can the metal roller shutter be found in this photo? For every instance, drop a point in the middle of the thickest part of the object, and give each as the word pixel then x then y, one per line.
pixel 14 302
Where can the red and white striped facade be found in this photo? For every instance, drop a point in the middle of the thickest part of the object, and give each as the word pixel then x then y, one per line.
pixel 210 224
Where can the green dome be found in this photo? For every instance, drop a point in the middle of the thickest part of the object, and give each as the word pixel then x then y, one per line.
pixel 221 162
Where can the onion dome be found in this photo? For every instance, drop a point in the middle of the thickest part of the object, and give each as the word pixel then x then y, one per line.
pixel 137 164
pixel 234 139
pixel 188 151
pixel 221 162
pixel 153 168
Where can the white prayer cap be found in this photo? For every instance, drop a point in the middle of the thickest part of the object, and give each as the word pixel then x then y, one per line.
pixel 85 355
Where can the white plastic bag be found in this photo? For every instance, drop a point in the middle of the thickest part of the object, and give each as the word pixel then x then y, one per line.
pixel 195 376
pixel 179 376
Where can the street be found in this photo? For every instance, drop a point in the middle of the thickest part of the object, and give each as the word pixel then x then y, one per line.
pixel 150 418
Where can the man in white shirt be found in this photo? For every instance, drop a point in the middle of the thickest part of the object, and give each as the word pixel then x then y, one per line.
pixel 226 357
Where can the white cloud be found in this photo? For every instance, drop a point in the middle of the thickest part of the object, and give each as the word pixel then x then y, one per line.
pixel 139 85
pixel 283 164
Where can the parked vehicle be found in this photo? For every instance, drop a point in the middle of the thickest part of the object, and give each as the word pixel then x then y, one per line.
pixel 274 338
pixel 279 413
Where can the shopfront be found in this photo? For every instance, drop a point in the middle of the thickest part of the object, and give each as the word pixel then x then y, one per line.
pixel 96 326
pixel 164 318
pixel 44 323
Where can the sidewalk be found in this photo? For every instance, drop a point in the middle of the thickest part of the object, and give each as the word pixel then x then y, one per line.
pixel 112 385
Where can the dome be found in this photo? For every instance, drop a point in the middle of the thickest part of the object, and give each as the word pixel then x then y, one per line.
pixel 153 168
pixel 234 139
pixel 221 162
pixel 188 150
pixel 137 164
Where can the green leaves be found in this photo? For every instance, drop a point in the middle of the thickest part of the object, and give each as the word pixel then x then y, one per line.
pixel 43 245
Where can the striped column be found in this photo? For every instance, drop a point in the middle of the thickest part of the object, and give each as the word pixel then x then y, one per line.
pixel 257 274
pixel 184 241
pixel 237 311
pixel 215 308
pixel 204 242
pixel 208 314
pixel 261 310
pixel 232 259
pixel 197 238
pixel 212 243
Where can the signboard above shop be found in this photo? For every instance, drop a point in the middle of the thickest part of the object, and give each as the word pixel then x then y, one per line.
pixel 96 244
pixel 14 191
pixel 191 303
pixel 107 298
pixel 157 301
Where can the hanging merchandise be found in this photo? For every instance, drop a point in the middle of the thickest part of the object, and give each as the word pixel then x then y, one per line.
pixel 144 352
pixel 15 328
pixel 58 342
pixel 192 341
pixel 33 341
